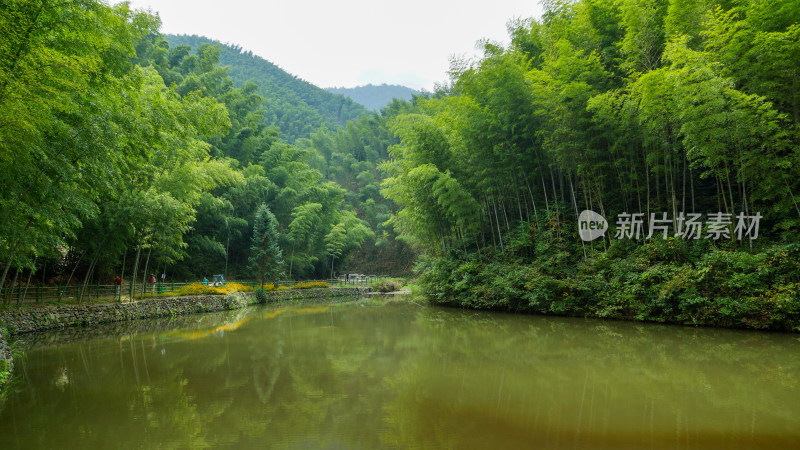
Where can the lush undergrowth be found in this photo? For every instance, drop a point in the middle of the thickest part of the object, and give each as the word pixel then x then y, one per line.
pixel 672 281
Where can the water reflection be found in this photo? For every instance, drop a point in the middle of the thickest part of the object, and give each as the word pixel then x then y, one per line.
pixel 400 376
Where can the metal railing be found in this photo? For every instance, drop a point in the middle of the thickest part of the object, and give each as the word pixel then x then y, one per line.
pixel 358 280
pixel 50 294
pixel 22 294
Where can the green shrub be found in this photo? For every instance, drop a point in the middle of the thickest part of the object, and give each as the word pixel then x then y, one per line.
pixel 387 285
pixel 5 371
pixel 261 296
pixel 670 281
pixel 234 301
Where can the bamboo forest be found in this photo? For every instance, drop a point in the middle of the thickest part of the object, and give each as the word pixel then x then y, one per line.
pixel 587 235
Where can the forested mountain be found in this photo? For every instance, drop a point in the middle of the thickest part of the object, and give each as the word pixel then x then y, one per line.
pixel 295 106
pixel 676 120
pixel 375 97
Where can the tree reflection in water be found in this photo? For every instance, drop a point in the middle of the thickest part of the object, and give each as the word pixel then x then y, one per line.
pixel 399 376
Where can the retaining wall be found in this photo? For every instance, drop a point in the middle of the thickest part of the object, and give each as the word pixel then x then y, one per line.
pixel 26 320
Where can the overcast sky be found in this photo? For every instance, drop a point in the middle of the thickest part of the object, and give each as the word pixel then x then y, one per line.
pixel 348 42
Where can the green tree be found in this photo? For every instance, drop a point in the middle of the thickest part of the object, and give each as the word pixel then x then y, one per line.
pixel 305 219
pixel 266 257
pixel 65 82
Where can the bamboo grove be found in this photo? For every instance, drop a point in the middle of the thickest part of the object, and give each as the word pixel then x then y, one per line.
pixel 121 154
pixel 633 106
pixel 677 106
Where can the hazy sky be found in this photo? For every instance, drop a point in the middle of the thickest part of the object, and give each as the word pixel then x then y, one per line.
pixel 348 42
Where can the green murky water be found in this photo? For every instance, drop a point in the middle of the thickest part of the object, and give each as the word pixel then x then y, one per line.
pixel 402 376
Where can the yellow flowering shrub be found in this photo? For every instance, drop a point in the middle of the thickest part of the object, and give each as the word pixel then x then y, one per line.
pixel 202 289
pixel 311 285
pixel 197 289
pixel 237 287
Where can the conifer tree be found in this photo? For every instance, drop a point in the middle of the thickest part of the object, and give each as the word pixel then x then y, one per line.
pixel 266 258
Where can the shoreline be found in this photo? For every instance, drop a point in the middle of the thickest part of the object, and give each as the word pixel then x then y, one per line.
pixel 20 321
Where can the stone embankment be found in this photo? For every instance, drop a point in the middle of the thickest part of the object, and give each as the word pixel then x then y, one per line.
pixel 25 320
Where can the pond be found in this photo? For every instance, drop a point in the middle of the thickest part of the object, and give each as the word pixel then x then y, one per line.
pixel 396 375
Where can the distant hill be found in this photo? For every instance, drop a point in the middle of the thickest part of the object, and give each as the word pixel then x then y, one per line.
pixel 296 106
pixel 375 97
